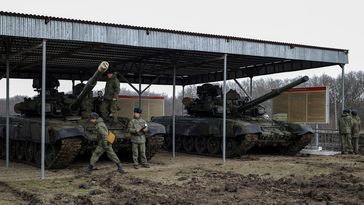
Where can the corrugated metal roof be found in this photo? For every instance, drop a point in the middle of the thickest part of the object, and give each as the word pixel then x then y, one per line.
pixel 75 46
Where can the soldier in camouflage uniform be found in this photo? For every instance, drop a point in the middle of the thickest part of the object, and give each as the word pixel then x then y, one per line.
pixel 137 128
pixel 103 145
pixel 355 131
pixel 345 126
pixel 112 90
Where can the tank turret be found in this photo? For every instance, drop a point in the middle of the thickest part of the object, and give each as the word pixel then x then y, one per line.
pixel 58 104
pixel 209 101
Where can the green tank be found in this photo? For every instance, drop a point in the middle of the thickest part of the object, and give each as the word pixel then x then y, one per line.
pixel 67 133
pixel 248 127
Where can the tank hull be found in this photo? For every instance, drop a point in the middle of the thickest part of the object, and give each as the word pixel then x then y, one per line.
pixel 197 134
pixel 66 139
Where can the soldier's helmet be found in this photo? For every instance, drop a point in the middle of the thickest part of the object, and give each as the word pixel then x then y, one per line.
pixel 354 112
pixel 138 110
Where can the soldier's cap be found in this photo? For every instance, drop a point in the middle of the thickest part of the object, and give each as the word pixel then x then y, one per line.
pixel 346 110
pixel 138 110
pixel 93 115
pixel 354 112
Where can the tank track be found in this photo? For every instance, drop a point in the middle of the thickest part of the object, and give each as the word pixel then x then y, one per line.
pixel 62 156
pixel 153 145
pixel 68 151
pixel 301 143
pixel 245 145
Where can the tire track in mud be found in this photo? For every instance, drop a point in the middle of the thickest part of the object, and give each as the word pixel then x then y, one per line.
pixel 22 197
pixel 203 186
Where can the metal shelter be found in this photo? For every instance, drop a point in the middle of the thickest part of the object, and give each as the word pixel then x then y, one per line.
pixel 34 46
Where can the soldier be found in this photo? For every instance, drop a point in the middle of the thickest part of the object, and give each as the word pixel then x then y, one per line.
pixel 355 131
pixel 137 128
pixel 345 126
pixel 112 89
pixel 103 145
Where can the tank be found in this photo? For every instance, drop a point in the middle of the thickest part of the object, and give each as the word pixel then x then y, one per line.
pixel 68 135
pixel 248 127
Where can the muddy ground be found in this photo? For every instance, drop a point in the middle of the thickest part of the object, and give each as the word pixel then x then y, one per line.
pixel 190 179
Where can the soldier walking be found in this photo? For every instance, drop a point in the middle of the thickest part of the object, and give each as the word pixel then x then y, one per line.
pixel 345 126
pixel 103 145
pixel 355 131
pixel 112 90
pixel 137 128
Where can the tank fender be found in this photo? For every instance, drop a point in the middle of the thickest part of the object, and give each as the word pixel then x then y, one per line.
pixel 67 132
pixel 247 129
pixel 155 128
pixel 299 129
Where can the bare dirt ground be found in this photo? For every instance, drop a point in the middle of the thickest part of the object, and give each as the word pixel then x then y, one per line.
pixel 190 179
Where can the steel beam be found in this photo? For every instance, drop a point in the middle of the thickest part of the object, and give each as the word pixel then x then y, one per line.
pixel 224 112
pixel 242 88
pixel 44 56
pixel 7 112
pixel 342 86
pixel 140 89
pixel 128 82
pixel 150 84
pixel 174 114
pixel 183 96
pixel 251 87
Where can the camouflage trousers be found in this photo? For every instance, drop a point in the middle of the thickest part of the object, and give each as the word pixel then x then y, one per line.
pixel 139 152
pixel 346 145
pixel 100 149
pixel 108 106
pixel 355 143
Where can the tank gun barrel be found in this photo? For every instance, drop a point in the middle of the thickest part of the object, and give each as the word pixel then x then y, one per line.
pixel 273 93
pixel 91 83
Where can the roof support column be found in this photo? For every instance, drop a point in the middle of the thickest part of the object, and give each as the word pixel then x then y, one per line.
pixel 183 96
pixel 44 56
pixel 342 86
pixel 224 112
pixel 242 88
pixel 140 88
pixel 174 114
pixel 251 87
pixel 7 111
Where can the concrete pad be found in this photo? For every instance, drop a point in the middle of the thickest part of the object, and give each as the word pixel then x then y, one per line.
pixel 319 152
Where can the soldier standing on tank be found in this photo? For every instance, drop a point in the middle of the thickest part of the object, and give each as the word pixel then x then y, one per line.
pixel 355 131
pixel 103 145
pixel 345 126
pixel 112 90
pixel 137 128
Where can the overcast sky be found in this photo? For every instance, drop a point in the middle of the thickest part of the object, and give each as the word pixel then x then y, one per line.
pixel 329 23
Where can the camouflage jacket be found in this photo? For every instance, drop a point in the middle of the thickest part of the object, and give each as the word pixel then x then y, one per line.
pixel 345 124
pixel 112 88
pixel 133 127
pixel 102 131
pixel 356 126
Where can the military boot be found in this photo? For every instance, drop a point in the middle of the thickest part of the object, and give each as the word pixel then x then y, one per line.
pixel 89 169
pixel 120 168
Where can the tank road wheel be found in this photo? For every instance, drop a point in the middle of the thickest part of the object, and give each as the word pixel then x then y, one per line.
pixel 20 150
pixel 179 143
pixel 12 151
pixel 29 152
pixel 167 145
pixel 37 154
pixel 231 145
pixel 188 143
pixel 200 144
pixel 2 149
pixel 50 155
pixel 213 145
